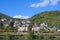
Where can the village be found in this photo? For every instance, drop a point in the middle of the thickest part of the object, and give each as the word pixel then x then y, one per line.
pixel 24 24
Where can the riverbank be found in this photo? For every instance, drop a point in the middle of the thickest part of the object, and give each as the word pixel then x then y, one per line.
pixel 24 36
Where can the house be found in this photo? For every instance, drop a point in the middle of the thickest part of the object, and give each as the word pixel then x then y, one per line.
pixel 52 28
pixel 22 29
pixel 23 26
pixel 17 24
pixel 57 29
pixel 26 22
pixel 35 27
pixel 6 23
pixel 43 24
pixel 46 27
pixel 3 19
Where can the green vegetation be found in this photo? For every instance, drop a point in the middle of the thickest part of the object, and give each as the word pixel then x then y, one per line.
pixel 52 18
pixel 7 36
pixel 5 16
pixel 42 30
pixel 31 33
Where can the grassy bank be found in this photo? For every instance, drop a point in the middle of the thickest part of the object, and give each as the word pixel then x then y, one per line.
pixel 19 36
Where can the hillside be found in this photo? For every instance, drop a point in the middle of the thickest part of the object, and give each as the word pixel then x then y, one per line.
pixel 50 17
pixel 5 16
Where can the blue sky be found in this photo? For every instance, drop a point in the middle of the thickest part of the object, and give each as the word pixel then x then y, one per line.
pixel 27 8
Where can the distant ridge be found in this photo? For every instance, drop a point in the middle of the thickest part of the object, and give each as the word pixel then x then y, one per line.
pixel 5 16
pixel 50 17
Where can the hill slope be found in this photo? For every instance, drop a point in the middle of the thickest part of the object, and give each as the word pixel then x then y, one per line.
pixel 5 16
pixel 50 17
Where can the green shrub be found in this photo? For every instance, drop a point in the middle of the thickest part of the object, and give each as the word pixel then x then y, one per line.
pixel 42 31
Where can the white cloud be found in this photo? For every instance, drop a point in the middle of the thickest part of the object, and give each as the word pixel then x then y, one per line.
pixel 21 17
pixel 45 3
pixel 54 2
pixel 41 4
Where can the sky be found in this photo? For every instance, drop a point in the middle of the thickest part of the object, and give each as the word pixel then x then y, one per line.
pixel 27 8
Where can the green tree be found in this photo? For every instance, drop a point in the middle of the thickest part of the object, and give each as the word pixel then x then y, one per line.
pixel 42 30
pixel 31 33
pixel 12 23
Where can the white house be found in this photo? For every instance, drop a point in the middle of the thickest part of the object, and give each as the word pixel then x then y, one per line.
pixel 58 29
pixel 35 28
pixel 6 23
pixel 44 24
pixel 3 19
pixel 22 29
pixel 17 24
